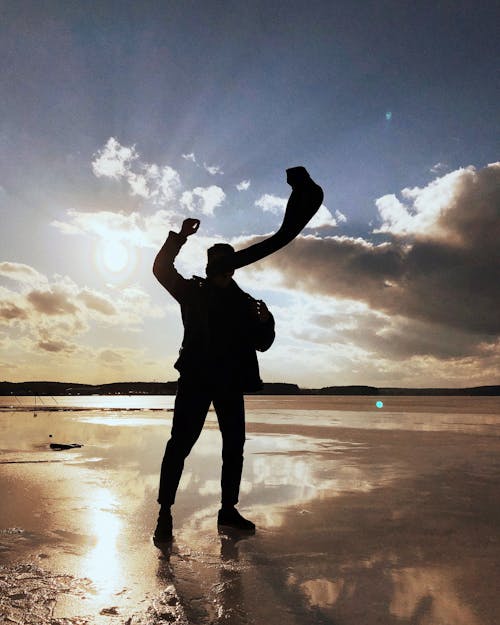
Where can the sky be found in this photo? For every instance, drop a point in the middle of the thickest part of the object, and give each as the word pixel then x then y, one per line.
pixel 120 119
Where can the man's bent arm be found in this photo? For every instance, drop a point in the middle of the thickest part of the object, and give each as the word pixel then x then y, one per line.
pixel 164 269
pixel 264 334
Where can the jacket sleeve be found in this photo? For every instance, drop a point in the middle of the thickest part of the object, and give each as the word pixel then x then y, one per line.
pixel 164 270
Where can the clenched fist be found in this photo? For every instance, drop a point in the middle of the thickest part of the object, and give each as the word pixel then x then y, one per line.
pixel 189 227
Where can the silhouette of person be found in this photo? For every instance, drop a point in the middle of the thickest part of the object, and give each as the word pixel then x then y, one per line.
pixel 223 328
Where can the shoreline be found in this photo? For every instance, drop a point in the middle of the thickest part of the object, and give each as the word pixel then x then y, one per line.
pixel 65 389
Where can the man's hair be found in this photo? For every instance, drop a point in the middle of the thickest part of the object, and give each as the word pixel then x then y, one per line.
pixel 215 257
pixel 219 249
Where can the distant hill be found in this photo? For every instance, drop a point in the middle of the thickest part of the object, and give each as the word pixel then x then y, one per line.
pixel 74 388
pixel 270 388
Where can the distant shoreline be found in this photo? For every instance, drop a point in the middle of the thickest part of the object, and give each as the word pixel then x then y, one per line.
pixel 44 388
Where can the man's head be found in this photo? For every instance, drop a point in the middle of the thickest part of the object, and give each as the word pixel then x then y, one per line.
pixel 219 267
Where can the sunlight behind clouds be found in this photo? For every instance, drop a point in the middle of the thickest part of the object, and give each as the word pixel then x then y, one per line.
pixel 422 209
pixel 342 303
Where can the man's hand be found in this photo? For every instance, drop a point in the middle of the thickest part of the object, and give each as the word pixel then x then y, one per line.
pixel 261 311
pixel 189 227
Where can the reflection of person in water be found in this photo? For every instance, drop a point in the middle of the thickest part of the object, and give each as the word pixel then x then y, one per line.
pixel 223 328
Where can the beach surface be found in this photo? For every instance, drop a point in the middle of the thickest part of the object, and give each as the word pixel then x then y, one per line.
pixel 364 515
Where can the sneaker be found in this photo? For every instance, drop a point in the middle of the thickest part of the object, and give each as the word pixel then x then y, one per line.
pixel 163 531
pixel 230 517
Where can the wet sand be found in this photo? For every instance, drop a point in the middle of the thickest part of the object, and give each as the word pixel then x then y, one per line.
pixel 364 516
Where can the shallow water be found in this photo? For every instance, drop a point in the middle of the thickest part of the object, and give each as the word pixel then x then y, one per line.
pixel 364 515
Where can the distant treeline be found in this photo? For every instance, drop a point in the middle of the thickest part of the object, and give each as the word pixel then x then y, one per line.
pixel 272 388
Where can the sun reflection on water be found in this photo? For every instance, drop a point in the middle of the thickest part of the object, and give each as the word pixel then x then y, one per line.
pixel 103 563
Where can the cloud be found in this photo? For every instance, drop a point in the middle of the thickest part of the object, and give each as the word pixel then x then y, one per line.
pixel 277 205
pixel 51 302
pixel 113 160
pixel 244 185
pixel 203 199
pixel 168 183
pixel 445 278
pixel 346 342
pixel 55 318
pixel 438 168
pixel 10 311
pixel 149 181
pixel 111 356
pixel 189 157
pixel 135 229
pixel 56 346
pixel 340 217
pixel 271 203
pixel 423 211
pixel 96 301
pixel 322 219
pixel 213 170
pixel 21 273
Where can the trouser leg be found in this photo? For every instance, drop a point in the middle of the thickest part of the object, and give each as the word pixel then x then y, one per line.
pixel 190 410
pixel 230 411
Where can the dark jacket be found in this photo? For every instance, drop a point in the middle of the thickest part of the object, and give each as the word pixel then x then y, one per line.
pixel 221 329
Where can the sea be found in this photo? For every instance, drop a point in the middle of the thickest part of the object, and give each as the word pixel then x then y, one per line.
pixel 369 509
pixel 453 413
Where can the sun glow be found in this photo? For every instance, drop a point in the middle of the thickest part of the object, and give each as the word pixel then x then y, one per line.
pixel 115 255
pixel 115 260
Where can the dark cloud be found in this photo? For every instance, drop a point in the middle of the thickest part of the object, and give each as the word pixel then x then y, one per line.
pixel 446 277
pixel 49 345
pixel 9 311
pixel 395 337
pixel 51 302
pixel 405 338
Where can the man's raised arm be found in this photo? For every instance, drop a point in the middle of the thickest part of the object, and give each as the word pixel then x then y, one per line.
pixel 163 266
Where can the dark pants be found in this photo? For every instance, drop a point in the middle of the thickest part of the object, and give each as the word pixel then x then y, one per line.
pixel 190 410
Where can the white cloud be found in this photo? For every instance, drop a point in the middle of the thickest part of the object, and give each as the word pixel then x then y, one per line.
pixel 113 160
pixel 146 180
pixel 213 169
pixel 422 209
pixel 272 203
pixel 277 205
pixel 168 184
pixel 322 219
pixel 189 157
pixel 134 228
pixel 203 199
pixel 341 218
pixel 438 168
pixel 22 273
pixel 138 185
pixel 244 185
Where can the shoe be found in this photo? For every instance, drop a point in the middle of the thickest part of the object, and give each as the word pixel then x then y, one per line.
pixel 230 517
pixel 163 531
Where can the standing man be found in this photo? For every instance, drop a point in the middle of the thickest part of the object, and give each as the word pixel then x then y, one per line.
pixel 223 328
